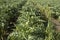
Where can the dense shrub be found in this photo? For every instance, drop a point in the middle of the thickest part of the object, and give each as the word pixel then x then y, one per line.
pixel 28 20
pixel 32 24
pixel 8 16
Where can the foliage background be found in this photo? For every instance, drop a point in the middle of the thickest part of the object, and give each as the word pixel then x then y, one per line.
pixel 29 19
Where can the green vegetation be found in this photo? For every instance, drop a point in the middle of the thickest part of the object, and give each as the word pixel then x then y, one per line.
pixel 29 19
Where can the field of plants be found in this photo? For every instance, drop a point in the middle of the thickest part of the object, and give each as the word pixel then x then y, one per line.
pixel 29 19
